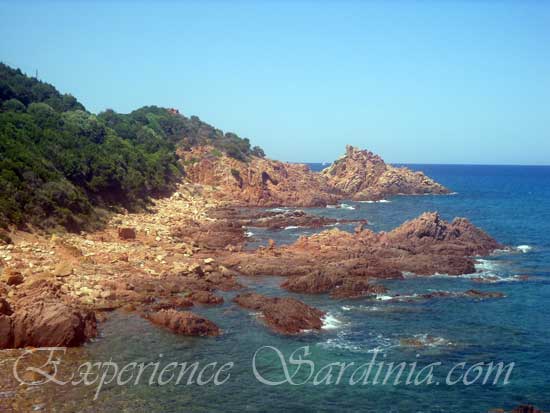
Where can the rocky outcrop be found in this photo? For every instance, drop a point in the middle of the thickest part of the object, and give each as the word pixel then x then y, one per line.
pixel 42 316
pixel 359 175
pixel 362 175
pixel 184 323
pixel 345 264
pixel 340 284
pixel 283 315
pixel 205 297
pixel 258 182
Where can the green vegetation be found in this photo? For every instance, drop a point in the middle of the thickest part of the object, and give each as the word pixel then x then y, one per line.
pixel 60 164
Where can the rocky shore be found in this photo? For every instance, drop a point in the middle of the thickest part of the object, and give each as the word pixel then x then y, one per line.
pixel 354 265
pixel 163 263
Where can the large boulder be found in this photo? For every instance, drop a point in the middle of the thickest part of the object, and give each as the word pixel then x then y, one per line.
pixel 12 277
pixel 42 316
pixel 52 325
pixel 126 233
pixel 184 322
pixel 283 315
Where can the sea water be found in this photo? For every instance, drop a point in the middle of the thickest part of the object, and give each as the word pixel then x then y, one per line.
pixel 509 202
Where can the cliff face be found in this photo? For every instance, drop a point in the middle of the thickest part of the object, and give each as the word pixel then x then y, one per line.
pixel 259 182
pixel 362 175
pixel 359 175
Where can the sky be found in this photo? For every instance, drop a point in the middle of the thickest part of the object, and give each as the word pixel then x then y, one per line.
pixel 414 81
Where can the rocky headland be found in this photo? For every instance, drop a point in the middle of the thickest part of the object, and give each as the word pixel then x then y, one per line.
pixel 358 175
pixel 361 175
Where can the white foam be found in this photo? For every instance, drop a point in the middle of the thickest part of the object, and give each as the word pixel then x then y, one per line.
pixel 362 308
pixel 485 265
pixel 331 206
pixel 382 297
pixel 330 322
pixel 249 234
pixel 524 248
pixel 346 206
pixel 292 227
pixel 377 344
pixel 432 341
pixel 380 201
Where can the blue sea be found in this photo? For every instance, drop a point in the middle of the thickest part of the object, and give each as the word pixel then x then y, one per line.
pixel 509 202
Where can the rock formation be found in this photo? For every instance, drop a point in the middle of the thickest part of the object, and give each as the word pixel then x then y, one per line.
pixel 43 316
pixel 184 322
pixel 284 315
pixel 351 265
pixel 259 182
pixel 362 175
pixel 359 175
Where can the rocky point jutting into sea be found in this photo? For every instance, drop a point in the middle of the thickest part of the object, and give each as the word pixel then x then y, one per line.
pixel 55 289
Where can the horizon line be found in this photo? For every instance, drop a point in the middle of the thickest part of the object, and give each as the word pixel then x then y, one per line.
pixel 440 164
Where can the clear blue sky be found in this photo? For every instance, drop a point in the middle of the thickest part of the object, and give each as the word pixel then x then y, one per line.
pixel 435 82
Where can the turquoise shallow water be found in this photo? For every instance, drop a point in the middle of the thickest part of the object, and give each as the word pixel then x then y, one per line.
pixel 511 203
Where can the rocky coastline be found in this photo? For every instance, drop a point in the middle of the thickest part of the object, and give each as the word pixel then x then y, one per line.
pixel 162 264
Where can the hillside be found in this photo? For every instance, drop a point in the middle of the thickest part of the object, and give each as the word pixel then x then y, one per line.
pixel 61 165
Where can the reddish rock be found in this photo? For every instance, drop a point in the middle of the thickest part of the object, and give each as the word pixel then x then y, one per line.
pixel 257 182
pixel 52 324
pixel 216 235
pixel 357 288
pixel 5 308
pixel 184 323
pixel 265 182
pixel 362 175
pixel 6 332
pixel 337 260
pixel 126 233
pixel 484 294
pixel 43 317
pixel 181 302
pixel 205 297
pixel 13 277
pixel 283 315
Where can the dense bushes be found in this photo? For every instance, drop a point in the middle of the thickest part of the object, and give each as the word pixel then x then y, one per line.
pixel 59 163
pixel 168 125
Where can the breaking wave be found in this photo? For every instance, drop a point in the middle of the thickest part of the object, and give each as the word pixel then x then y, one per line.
pixel 330 322
pixel 524 248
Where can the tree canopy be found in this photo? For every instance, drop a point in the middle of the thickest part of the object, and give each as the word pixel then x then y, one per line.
pixel 60 164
